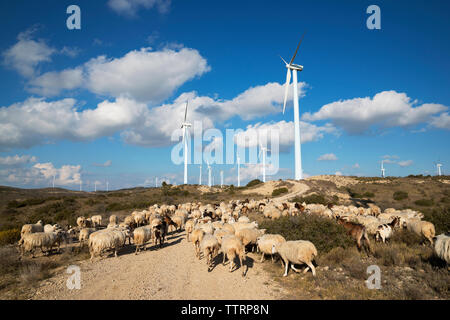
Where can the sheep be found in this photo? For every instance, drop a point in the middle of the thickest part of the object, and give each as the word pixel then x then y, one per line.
pixel 179 221
pixel 113 219
pixel 244 219
pixel 249 236
pixel 84 235
pixel 442 247
pixel 139 218
pixel 141 236
pixel 81 222
pixel 129 221
pixel 265 243
pixel 207 228
pixel 210 248
pixel 421 228
pixel 232 247
pixel 296 252
pixel 51 228
pixel 96 220
pixel 228 227
pixel 30 241
pixel 107 239
pixel 241 225
pixel 32 228
pixel 220 233
pixel 197 237
pixel 385 231
pixel 189 227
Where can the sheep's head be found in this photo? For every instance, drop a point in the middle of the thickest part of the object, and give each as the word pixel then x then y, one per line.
pixel 40 222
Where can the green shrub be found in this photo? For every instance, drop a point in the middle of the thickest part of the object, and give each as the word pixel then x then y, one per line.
pixel 408 237
pixel 9 236
pixel 314 198
pixel 440 218
pixel 424 202
pixel 254 183
pixel 400 195
pixel 277 192
pixel 326 234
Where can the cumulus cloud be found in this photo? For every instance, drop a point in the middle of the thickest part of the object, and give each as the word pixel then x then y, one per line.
pixel 33 121
pixel 442 121
pixel 309 132
pixel 386 109
pixel 130 8
pixel 327 157
pixel 27 54
pixel 143 75
pixel 17 160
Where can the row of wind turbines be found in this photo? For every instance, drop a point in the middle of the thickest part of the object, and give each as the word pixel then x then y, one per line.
pixel 438 169
pixel 291 67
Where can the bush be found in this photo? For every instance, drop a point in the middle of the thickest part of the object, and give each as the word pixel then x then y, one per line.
pixel 277 192
pixel 424 202
pixel 440 218
pixel 254 183
pixel 408 237
pixel 400 195
pixel 314 198
pixel 9 236
pixel 324 233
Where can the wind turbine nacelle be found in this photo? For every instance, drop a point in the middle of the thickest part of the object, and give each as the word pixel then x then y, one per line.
pixel 186 125
pixel 295 67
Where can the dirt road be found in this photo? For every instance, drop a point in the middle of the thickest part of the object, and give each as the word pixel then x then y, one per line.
pixel 172 272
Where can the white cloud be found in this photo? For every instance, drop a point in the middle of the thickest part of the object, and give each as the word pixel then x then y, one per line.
pixel 17 160
pixel 143 75
pixel 386 109
pixel 405 163
pixel 36 121
pixel 108 163
pixel 387 156
pixel 70 51
pixel 327 157
pixel 309 132
pixel 27 54
pixel 131 7
pixel 338 173
pixel 442 121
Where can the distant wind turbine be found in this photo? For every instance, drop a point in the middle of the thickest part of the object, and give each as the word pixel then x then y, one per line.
pixel 382 169
pixel 107 185
pixel 53 181
pixel 209 174
pixel 263 151
pixel 200 176
pixel 239 171
pixel 438 166
pixel 81 183
pixel 221 178
pixel 95 186
pixel 185 125
pixel 294 67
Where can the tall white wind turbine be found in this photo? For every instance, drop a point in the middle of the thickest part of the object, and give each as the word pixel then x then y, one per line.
pixel 239 171
pixel 200 176
pixel 53 181
pixel 294 67
pixel 95 186
pixel 221 178
pixel 185 125
pixel 438 166
pixel 209 174
pixel 263 151
pixel 156 182
pixel 382 169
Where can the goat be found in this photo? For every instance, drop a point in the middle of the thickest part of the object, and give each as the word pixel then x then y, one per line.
pixel 356 231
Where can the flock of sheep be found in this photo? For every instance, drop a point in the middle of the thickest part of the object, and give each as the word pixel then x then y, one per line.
pixel 225 228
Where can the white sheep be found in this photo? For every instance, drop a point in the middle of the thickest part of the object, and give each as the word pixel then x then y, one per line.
pixel 197 237
pixel 189 227
pixel 51 228
pixel 421 228
pixel 96 220
pixel 84 235
pixel 139 218
pixel 266 242
pixel 113 219
pixel 141 236
pixel 232 247
pixel 30 241
pixel 32 228
pixel 210 248
pixel 296 252
pixel 249 236
pixel 442 247
pixel 107 239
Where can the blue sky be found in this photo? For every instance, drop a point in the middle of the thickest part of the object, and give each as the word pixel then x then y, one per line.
pixel 101 103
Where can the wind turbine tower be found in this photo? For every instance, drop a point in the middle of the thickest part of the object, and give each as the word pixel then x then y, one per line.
pixel 53 181
pixel 239 171
pixel 294 68
pixel 221 178
pixel 200 176
pixel 185 125
pixel 382 169
pixel 209 174
pixel 263 151
pixel 438 166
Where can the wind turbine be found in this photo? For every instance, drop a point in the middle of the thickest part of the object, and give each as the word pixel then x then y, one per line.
pixel 294 67
pixel 185 125
pixel 221 178
pixel 209 174
pixel 200 177
pixel 263 150
pixel 239 169
pixel 81 182
pixel 107 185
pixel 156 182
pixel 95 186
pixel 53 181
pixel 382 169
pixel 438 166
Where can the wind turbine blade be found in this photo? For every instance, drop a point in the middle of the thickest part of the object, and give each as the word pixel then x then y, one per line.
pixel 293 57
pixel 286 88
pixel 283 60
pixel 185 112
